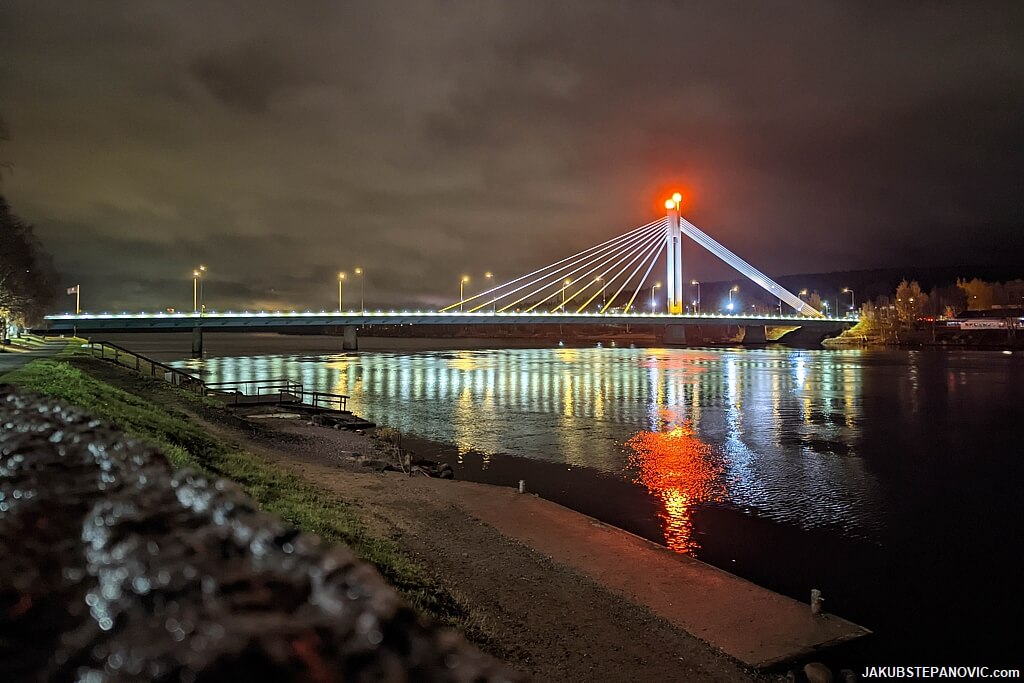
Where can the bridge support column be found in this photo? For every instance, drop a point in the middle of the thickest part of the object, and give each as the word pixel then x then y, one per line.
pixel 673 260
pixel 675 334
pixel 754 334
pixel 197 342
pixel 349 339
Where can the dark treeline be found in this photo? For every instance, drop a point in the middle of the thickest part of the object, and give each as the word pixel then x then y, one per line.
pixel 27 276
pixel 868 285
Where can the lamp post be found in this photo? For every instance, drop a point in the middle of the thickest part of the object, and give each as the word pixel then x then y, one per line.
pixel 490 277
pixel 341 291
pixel 600 282
pixel 362 301
pixel 695 282
pixel 825 304
pixel 853 300
pixel 653 290
pixel 202 306
pixel 735 288
pixel 195 291
pixel 462 284
pixel 564 285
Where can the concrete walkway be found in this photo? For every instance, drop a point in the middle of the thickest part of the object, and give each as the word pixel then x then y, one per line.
pixel 752 624
pixel 12 358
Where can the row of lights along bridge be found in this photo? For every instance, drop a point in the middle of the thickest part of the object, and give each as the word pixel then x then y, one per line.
pixel 199 273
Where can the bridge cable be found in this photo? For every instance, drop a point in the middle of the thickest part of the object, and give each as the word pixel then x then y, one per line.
pixel 657 233
pixel 548 267
pixel 611 246
pixel 651 248
pixel 644 247
pixel 592 266
pixel 654 260
pixel 759 278
pixel 556 276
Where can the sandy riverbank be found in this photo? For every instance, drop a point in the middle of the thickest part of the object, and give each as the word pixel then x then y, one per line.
pixel 540 615
pixel 527 562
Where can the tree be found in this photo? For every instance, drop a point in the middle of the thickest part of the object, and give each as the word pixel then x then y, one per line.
pixel 910 301
pixel 27 277
pixel 980 294
pixel 4 166
pixel 814 301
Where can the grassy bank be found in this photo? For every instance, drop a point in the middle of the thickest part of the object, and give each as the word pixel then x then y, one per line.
pixel 164 416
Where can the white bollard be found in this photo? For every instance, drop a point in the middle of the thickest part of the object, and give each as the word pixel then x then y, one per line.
pixel 816 601
pixel 522 486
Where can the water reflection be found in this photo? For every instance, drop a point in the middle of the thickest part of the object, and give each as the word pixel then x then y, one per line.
pixel 681 470
pixel 784 426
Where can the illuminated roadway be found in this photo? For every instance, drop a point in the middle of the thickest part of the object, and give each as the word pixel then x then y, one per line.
pixel 164 322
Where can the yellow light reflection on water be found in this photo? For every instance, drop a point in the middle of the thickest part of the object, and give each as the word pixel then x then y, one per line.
pixel 676 466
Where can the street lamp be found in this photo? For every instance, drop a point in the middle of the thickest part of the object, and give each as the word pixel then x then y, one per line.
pixel 490 277
pixel 599 281
pixel 853 301
pixel 362 301
pixel 695 282
pixel 654 289
pixel 735 288
pixel 341 282
pixel 564 285
pixel 825 304
pixel 197 289
pixel 462 284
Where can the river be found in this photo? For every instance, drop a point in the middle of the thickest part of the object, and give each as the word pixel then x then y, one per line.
pixel 890 480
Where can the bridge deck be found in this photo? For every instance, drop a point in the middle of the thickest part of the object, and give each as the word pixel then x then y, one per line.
pixel 239 321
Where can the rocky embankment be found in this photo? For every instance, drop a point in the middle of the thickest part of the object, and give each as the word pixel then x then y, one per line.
pixel 118 567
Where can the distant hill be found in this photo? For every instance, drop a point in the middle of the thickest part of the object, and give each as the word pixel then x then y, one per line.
pixel 869 284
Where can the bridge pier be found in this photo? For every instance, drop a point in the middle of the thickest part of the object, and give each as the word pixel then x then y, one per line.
pixel 754 334
pixel 349 339
pixel 675 334
pixel 197 342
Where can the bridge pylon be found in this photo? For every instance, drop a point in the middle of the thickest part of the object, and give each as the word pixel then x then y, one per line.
pixel 674 257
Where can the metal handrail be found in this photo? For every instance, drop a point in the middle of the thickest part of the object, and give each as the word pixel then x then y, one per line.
pixel 315 398
pixel 177 377
pixel 287 389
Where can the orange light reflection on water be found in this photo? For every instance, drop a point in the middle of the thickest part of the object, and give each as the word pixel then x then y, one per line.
pixel 678 467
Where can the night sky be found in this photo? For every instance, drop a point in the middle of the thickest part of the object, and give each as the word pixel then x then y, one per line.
pixel 280 142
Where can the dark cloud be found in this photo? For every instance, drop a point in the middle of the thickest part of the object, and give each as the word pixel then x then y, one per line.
pixel 424 140
pixel 245 78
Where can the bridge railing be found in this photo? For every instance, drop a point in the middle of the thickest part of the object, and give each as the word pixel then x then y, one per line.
pixel 145 365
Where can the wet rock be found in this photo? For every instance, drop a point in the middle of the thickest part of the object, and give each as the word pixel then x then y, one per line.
pixel 816 672
pixel 117 567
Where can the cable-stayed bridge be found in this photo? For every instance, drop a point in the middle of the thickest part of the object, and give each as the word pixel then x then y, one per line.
pixel 599 285
pixel 617 271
